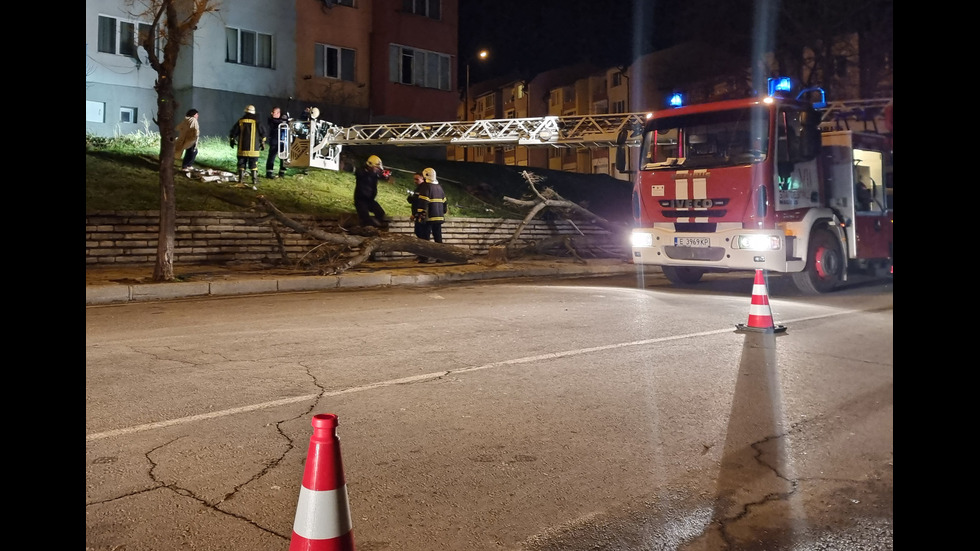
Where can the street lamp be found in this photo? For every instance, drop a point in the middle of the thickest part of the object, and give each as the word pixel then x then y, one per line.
pixel 482 54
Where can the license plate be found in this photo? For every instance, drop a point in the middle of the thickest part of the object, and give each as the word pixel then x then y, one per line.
pixel 692 241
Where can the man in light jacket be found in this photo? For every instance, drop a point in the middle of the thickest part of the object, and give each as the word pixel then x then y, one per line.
pixel 188 132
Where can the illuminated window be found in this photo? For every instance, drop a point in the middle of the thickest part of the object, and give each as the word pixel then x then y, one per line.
pixel 248 47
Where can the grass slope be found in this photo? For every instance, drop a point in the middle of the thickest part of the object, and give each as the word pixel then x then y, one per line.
pixel 123 174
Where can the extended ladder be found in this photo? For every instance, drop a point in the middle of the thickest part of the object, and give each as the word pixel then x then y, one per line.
pixel 318 143
pixel 866 115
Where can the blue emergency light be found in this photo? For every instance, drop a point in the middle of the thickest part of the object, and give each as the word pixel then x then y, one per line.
pixel 676 100
pixel 780 84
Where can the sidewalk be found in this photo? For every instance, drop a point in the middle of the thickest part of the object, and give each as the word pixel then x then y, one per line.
pixel 123 284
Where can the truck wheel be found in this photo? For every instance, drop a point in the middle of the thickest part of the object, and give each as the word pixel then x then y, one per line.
pixel 682 275
pixel 824 265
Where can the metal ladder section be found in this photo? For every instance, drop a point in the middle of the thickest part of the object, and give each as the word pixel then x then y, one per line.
pixel 866 115
pixel 554 131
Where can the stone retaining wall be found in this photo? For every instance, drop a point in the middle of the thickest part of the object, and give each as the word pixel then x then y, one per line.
pixel 209 237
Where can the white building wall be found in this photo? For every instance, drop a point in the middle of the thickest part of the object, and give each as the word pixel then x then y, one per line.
pixel 203 80
pixel 114 81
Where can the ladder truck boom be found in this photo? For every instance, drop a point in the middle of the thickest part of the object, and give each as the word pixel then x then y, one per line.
pixel 847 114
pixel 318 143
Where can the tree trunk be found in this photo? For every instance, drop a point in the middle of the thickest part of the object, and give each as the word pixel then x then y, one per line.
pixel 166 238
pixel 369 244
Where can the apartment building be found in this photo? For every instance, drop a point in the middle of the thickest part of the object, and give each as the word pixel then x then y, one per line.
pixel 357 61
pixel 643 86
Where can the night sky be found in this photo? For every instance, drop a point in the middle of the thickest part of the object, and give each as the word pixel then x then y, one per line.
pixel 530 36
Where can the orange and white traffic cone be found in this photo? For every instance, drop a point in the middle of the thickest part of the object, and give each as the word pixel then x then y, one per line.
pixel 323 514
pixel 760 315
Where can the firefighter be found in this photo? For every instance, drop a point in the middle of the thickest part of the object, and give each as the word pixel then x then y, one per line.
pixel 428 209
pixel 275 119
pixel 249 136
pixel 366 192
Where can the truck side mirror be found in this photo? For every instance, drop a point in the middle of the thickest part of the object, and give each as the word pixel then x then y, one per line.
pixel 621 151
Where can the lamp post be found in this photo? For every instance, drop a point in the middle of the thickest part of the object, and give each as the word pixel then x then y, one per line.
pixel 482 54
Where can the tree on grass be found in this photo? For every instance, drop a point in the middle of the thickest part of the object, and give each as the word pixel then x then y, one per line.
pixel 172 27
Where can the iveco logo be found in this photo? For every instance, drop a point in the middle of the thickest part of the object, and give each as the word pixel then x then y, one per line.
pixel 693 203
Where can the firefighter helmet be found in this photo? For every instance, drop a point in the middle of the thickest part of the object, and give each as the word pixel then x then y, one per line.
pixel 430 175
pixel 250 109
pixel 374 162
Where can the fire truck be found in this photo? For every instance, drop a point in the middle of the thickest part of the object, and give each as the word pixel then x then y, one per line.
pixel 772 182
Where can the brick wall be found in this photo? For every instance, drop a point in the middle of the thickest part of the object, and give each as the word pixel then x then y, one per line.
pixel 209 237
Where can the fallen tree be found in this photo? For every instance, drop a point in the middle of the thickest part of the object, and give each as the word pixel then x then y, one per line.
pixel 548 198
pixel 365 243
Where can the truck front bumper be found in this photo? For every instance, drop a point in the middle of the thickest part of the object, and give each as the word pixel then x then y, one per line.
pixel 738 249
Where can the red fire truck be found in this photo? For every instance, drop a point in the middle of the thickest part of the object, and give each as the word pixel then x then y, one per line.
pixel 762 183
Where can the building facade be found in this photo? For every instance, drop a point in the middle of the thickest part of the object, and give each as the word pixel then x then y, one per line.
pixel 357 61
pixel 380 61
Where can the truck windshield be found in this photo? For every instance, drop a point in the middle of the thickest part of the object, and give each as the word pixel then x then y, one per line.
pixel 705 140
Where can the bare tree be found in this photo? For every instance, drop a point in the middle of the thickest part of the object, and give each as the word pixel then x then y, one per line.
pixel 172 27
pixel 548 198
pixel 370 242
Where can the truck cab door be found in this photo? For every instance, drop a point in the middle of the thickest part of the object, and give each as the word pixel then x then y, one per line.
pixel 872 214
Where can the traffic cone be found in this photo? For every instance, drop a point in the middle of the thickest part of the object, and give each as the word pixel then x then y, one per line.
pixel 323 514
pixel 760 315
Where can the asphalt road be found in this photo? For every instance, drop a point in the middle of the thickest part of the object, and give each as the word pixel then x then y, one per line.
pixel 617 413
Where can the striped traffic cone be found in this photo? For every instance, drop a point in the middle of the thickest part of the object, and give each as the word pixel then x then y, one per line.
pixel 760 315
pixel 323 514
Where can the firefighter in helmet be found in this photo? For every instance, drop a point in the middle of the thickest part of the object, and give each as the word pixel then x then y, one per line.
pixel 366 192
pixel 428 209
pixel 249 137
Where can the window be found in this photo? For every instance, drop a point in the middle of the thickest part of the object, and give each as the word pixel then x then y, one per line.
pixel 429 8
pixel 127 114
pixel 248 47
pixel 619 106
pixel 418 67
pixel 121 37
pixel 94 111
pixel 334 62
pixel 617 79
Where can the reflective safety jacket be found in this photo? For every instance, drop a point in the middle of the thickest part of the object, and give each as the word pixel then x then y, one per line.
pixel 249 134
pixel 428 203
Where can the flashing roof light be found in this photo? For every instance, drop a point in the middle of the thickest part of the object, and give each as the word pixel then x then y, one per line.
pixel 676 100
pixel 780 84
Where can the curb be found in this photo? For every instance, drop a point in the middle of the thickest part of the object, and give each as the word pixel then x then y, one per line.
pixel 252 285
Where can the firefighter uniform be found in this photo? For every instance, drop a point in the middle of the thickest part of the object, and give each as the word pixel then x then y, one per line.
pixel 249 136
pixel 428 208
pixel 366 192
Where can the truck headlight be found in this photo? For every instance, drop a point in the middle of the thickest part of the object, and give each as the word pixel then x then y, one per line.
pixel 641 239
pixel 757 242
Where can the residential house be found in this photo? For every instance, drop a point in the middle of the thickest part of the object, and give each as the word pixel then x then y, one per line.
pixel 357 61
